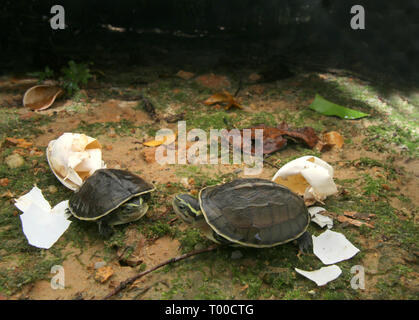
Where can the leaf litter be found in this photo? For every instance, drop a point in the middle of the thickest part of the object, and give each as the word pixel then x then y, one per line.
pixel 224 98
pixel 274 138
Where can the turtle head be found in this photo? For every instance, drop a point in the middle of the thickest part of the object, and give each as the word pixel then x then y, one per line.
pixel 187 207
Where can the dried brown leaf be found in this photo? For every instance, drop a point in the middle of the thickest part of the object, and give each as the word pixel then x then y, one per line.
pixel 333 138
pixel 357 223
pixel 185 75
pixel 274 138
pixel 223 97
pixel 358 215
pixel 244 287
pixel 4 182
pixel 7 194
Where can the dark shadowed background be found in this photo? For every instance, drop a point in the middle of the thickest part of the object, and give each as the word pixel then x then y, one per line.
pixel 312 34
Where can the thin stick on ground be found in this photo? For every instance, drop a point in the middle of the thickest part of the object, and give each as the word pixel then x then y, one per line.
pixel 129 281
pixel 270 163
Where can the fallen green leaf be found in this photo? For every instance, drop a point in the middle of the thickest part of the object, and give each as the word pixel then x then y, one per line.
pixel 328 108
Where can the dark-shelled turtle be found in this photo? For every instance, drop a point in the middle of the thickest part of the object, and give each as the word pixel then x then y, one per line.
pixel 248 212
pixel 111 197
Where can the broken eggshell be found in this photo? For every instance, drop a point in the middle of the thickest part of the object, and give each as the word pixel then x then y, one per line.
pixel 41 97
pixel 308 176
pixel 323 275
pixel 332 247
pixel 320 219
pixel 41 224
pixel 74 157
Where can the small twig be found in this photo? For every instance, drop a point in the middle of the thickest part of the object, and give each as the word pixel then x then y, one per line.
pixel 270 163
pixel 149 108
pixel 144 290
pixel 129 281
pixel 238 88
pixel 173 220
pixel 175 118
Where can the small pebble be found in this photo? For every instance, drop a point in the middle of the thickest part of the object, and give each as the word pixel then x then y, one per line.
pixel 14 161
pixel 254 77
pixel 236 255
pixel 185 182
pixel 52 189
pixel 100 264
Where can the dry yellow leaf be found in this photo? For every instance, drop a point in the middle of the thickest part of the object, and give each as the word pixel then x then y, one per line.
pixel 166 139
pixel 103 274
pixel 154 143
pixel 20 143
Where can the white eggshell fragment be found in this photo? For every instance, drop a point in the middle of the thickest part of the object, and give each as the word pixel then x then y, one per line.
pixel 42 226
pixel 35 195
pixel 332 247
pixel 308 176
pixel 323 275
pixel 74 157
pixel 320 219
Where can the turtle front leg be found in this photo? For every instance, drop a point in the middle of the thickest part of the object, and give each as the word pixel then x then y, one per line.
pixel 305 243
pixel 105 230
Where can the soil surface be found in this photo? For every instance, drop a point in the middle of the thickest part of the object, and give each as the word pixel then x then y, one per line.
pixel 376 172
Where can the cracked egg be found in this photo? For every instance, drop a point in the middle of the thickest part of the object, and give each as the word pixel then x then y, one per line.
pixel 74 157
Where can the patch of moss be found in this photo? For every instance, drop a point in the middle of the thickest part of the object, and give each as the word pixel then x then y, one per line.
pixel 374 186
pixel 34 268
pixel 211 289
pixel 11 125
pixel 386 137
pixel 262 117
pixel 211 120
pixel 190 238
pixel 158 229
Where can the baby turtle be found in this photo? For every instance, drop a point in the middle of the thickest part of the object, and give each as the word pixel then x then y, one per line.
pixel 249 212
pixel 111 197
